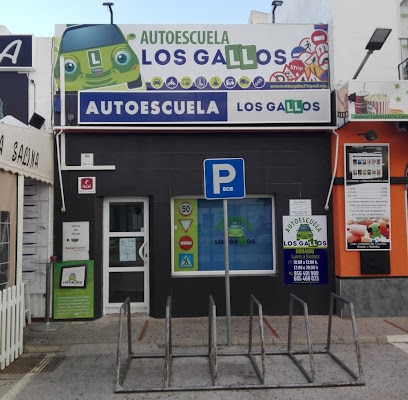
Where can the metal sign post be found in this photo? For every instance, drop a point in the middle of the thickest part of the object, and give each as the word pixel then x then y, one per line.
pixel 227 276
pixel 225 179
pixel 47 326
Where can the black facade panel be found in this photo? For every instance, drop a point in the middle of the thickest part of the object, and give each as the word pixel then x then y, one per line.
pixel 287 165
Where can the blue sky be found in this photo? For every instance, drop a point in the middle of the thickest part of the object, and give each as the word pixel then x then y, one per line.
pixel 39 17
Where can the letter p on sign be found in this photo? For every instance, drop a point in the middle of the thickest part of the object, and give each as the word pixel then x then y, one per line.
pixel 224 178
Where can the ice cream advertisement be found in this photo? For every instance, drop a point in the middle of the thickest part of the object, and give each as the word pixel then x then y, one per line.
pixel 386 100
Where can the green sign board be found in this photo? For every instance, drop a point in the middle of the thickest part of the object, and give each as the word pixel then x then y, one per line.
pixel 73 294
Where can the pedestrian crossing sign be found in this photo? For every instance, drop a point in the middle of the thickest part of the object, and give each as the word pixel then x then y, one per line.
pixel 186 261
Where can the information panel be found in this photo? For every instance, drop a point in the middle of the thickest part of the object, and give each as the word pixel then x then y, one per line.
pixel 305 249
pixel 73 294
pixel 367 197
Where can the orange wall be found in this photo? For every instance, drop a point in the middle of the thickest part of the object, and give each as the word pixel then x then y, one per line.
pixel 347 263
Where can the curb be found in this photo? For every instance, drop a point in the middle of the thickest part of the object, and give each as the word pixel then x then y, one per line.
pixel 396 338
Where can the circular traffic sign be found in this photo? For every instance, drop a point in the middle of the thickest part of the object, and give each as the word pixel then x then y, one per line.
pixel 186 243
pixel 185 208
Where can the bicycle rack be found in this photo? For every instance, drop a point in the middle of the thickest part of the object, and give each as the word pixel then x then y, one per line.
pixel 310 377
pixel 213 355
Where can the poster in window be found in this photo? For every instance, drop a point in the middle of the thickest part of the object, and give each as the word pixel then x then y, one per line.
pixel 198 240
pixel 305 249
pixel 367 197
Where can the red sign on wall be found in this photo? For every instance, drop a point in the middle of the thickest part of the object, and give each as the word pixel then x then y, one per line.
pixel 86 185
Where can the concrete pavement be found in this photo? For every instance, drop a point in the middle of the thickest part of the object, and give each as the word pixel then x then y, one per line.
pixel 83 353
pixel 186 332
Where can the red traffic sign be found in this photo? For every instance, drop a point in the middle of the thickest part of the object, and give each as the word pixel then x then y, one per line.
pixel 186 243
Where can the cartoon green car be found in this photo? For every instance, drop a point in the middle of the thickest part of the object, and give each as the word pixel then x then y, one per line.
pixel 72 278
pixel 235 230
pixel 97 56
pixel 304 232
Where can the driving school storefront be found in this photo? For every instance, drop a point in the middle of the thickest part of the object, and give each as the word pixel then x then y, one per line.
pixel 131 154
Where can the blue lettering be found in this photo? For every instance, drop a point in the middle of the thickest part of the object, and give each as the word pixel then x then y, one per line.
pixel 263 57
pixel 158 57
pixel 219 58
pixel 280 107
pixel 201 57
pixel 180 57
pixel 280 57
pixel 144 58
pixel 306 106
pixel 270 106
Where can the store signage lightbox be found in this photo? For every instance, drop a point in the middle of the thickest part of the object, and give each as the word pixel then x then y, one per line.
pixel 205 73
pixel 16 52
pixel 374 101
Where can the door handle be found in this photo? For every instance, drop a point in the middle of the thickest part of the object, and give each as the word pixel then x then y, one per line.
pixel 143 255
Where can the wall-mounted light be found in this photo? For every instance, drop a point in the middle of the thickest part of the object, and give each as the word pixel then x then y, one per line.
pixel 109 5
pixel 275 4
pixel 370 135
pixel 36 121
pixel 70 118
pixel 376 41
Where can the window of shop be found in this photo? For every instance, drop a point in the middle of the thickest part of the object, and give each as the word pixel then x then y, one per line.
pixel 4 247
pixel 198 236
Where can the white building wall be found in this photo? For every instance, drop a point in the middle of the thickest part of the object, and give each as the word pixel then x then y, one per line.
pixel 258 17
pixel 403 30
pixel 304 12
pixel 351 24
pixel 40 82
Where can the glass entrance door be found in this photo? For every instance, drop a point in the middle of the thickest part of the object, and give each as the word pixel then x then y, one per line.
pixel 126 253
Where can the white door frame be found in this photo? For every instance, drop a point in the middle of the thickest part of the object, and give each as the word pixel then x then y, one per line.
pixel 139 307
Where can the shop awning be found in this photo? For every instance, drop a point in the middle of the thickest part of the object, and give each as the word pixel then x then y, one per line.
pixel 27 152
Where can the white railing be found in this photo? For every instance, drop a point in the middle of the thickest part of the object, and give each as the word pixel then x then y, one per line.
pixel 12 319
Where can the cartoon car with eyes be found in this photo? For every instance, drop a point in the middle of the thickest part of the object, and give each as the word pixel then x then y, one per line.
pixel 235 230
pixel 97 56
pixel 304 232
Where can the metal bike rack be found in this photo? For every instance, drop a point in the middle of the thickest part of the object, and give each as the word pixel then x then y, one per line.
pixel 213 355
pixel 259 371
pixel 292 354
pixel 359 376
pixel 212 344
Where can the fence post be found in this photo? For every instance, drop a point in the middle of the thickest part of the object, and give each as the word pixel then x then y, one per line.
pixel 11 324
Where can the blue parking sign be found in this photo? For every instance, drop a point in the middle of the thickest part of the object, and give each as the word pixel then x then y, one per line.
pixel 224 178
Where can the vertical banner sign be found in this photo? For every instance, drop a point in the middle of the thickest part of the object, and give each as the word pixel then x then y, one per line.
pixel 185 235
pixel 305 249
pixel 367 197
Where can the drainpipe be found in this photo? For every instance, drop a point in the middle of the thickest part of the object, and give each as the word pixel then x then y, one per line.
pixel 57 144
pixel 326 206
